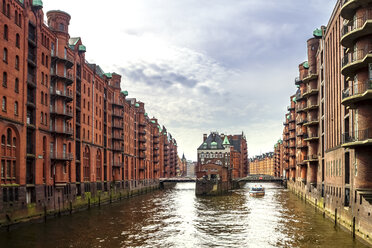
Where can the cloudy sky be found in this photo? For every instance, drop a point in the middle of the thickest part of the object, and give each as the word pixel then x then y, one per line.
pixel 202 65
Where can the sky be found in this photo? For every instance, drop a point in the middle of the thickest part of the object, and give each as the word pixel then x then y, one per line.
pixel 202 65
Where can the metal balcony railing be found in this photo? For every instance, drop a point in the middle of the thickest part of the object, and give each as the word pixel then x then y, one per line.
pixel 356 55
pixel 356 23
pixel 61 156
pixel 359 135
pixel 356 89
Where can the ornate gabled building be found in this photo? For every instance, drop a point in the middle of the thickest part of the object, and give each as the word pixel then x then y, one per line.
pixel 222 153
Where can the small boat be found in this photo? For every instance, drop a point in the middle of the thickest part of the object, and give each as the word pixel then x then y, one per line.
pixel 257 191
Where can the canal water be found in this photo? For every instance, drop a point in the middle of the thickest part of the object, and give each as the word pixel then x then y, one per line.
pixel 177 218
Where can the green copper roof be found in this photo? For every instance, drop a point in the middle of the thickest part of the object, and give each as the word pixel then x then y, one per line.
pixel 82 48
pixel 125 92
pixel 306 65
pixel 288 117
pixel 294 99
pixel 37 3
pixel 226 141
pixel 146 114
pixel 109 75
pixel 213 143
pixel 318 33
pixel 153 121
pixel 136 105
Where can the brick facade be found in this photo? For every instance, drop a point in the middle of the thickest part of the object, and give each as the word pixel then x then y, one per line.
pixel 66 127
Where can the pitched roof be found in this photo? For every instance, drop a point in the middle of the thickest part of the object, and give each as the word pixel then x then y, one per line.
pixel 213 137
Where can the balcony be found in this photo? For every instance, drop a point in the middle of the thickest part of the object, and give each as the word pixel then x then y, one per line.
pixel 358 93
pixel 31 80
pixel 142 132
pixel 30 100
pixel 156 141
pixel 142 148
pixel 290 108
pixel 117 114
pixel 66 59
pixel 118 164
pixel 292 119
pixel 285 123
pixel 117 148
pixel 311 137
pixel 312 158
pixel 359 27
pixel 142 140
pixel 118 126
pixel 31 59
pixel 63 112
pixel 311 92
pixel 298 81
pixel 292 136
pixel 67 94
pixel 66 77
pixel 357 138
pixel 142 124
pixel 117 104
pixel 66 131
pixel 310 76
pixel 311 106
pixel 349 6
pixel 357 60
pixel 301 121
pixel 292 127
pixel 312 121
pixel 142 156
pixel 116 136
pixel 62 156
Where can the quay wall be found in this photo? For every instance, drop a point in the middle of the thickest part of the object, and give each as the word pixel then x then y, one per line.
pixel 358 225
pixel 70 203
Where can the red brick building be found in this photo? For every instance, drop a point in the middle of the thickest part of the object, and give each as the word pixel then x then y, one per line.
pixel 226 151
pixel 66 127
pixel 328 152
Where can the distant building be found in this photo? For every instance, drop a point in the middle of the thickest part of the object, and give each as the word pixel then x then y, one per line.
pixel 190 168
pixel 222 156
pixel 263 164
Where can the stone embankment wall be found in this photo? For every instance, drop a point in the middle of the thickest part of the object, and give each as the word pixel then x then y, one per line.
pixel 341 216
pixel 38 212
pixel 214 187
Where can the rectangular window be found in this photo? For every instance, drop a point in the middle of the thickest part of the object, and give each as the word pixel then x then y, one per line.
pixel 2 168
pixel 8 174
pixel 14 170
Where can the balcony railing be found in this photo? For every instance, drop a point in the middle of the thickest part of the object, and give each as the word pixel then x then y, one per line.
pixel 356 23
pixel 357 89
pixel 61 156
pixel 359 136
pixel 61 111
pixel 69 60
pixel 66 76
pixel 117 125
pixel 64 93
pixel 66 130
pixel 356 55
pixel 312 157
pixel 298 80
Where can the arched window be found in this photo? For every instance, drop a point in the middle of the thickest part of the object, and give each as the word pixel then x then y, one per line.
pixel 4 104
pixel 18 42
pixel 46 99
pixel 17 62
pixel 42 118
pixel 8 10
pixel 19 20
pixel 16 85
pixel 44 158
pixel 16 108
pixel 46 80
pixel 5 55
pixel 42 59
pixel 5 79
pixel 42 98
pixel 4 7
pixel 42 78
pixel 45 119
pixel 3 140
pixel 6 32
pixel 46 61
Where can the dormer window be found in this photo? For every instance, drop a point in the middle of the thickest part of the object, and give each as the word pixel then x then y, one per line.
pixel 61 27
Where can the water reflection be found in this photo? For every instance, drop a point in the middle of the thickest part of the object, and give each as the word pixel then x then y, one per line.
pixel 177 218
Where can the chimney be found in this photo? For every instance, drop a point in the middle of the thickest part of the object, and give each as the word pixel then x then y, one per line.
pixel 222 136
pixel 204 137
